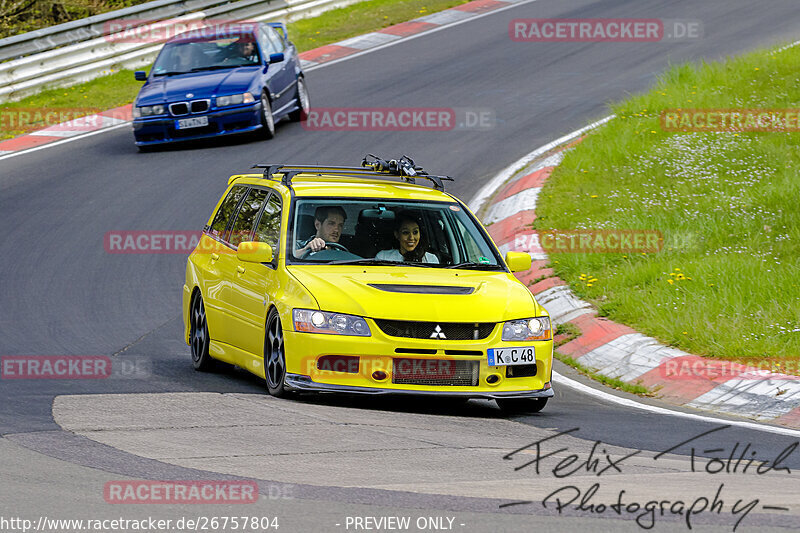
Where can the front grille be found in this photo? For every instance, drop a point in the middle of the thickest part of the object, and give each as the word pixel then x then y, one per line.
pixel 454 331
pixel 435 372
pixel 201 106
pixel 179 109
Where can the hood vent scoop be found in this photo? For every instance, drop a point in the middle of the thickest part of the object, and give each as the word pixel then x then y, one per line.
pixel 422 289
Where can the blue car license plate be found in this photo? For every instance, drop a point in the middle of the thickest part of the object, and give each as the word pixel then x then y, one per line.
pixel 193 122
pixel 511 356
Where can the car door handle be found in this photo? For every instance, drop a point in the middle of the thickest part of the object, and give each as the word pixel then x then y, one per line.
pixel 240 269
pixel 214 256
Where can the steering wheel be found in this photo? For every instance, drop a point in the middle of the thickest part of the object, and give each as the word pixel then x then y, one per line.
pixel 333 245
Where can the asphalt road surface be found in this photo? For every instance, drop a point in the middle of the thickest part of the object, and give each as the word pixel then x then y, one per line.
pixel 327 463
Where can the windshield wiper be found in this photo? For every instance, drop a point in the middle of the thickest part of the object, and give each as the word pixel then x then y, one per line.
pixel 380 262
pixel 213 67
pixel 172 73
pixel 476 266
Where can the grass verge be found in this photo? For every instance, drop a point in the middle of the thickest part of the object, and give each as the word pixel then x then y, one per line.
pixel 118 88
pixel 726 283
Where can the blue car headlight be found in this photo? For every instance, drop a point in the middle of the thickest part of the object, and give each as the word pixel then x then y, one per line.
pixel 311 321
pixel 148 110
pixel 235 99
pixel 527 329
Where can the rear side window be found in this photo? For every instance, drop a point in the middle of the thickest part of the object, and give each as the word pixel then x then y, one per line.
pixel 226 211
pixel 269 226
pixel 246 217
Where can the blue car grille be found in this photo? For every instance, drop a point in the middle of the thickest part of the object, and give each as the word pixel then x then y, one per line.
pixel 179 109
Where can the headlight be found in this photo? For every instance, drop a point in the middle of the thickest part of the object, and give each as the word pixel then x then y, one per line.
pixel 235 99
pixel 148 110
pixel 310 321
pixel 527 329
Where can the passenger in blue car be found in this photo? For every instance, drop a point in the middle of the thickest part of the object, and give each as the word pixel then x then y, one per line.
pixel 412 243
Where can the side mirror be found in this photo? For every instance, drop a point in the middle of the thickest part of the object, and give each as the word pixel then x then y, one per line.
pixel 140 75
pixel 254 252
pixel 518 261
pixel 275 58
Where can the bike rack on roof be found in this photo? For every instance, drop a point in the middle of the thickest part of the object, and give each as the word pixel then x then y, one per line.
pixel 375 168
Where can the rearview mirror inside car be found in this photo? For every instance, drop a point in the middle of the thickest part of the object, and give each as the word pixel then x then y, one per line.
pixel 254 252
pixel 518 261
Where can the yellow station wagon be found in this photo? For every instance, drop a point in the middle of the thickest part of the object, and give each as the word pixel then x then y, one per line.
pixel 360 280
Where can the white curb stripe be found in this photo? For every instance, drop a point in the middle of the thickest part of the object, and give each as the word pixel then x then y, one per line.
pixel 756 398
pixel 629 356
pixel 49 132
pixel 562 305
pixel 362 42
pixel 446 17
pixel 522 201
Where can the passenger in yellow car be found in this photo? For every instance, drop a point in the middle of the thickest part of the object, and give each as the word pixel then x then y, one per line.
pixel 329 221
pixel 413 245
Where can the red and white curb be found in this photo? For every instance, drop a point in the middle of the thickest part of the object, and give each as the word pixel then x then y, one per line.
pixel 612 349
pixel 310 60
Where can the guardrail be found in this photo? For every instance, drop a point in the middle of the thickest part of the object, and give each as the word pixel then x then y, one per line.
pixel 85 49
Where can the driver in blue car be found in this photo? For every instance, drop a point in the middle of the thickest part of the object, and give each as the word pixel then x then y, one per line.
pixel 329 221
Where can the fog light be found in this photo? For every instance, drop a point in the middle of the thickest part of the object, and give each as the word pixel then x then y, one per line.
pixel 493 379
pixel 379 375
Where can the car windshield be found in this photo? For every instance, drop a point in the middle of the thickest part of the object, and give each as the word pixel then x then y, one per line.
pixel 206 54
pixel 387 232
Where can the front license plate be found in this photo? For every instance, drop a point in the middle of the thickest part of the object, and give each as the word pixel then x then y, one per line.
pixel 194 122
pixel 511 356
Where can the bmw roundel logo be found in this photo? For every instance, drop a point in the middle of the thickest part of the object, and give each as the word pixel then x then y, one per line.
pixel 189 95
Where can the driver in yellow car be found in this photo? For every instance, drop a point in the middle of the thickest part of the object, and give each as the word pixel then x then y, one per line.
pixel 329 221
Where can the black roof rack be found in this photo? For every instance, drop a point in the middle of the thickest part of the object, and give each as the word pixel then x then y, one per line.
pixel 371 168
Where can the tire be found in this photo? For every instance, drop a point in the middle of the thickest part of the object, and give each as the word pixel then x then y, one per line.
pixel 274 355
pixel 303 102
pixel 521 405
pixel 198 336
pixel 267 120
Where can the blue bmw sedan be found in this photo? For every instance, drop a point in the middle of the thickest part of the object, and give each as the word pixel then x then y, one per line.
pixel 212 82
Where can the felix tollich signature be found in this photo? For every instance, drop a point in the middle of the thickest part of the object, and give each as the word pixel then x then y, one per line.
pixel 739 459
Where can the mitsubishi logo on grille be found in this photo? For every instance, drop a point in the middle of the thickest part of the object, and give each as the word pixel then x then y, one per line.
pixel 437 333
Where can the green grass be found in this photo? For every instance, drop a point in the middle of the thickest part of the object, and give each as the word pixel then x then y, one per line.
pixel 614 383
pixel 726 283
pixel 119 88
